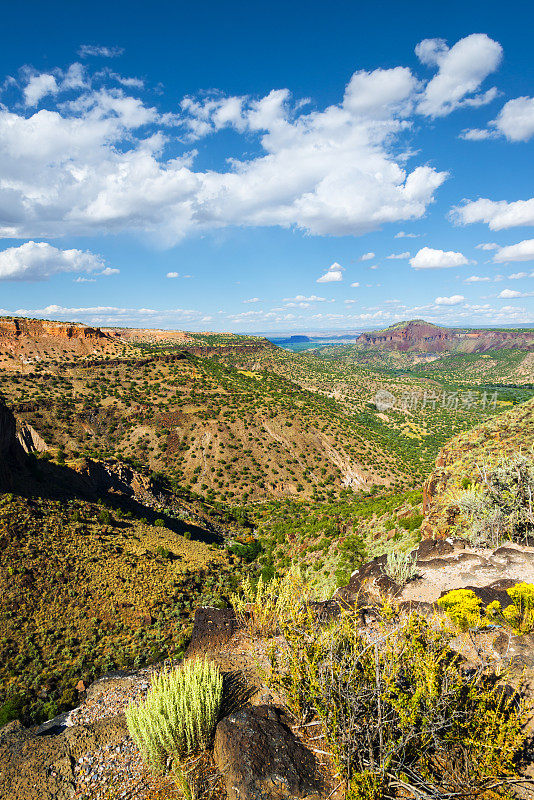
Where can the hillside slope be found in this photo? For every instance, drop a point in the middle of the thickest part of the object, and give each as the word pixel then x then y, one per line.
pixel 29 342
pixel 220 430
pixel 467 457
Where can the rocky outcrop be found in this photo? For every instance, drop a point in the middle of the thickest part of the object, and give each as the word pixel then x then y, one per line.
pixel 442 565
pixel 10 451
pixel 424 337
pixel 29 439
pixel 18 327
pixel 260 758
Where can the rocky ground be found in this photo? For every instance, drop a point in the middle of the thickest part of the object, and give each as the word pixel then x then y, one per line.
pixel 258 750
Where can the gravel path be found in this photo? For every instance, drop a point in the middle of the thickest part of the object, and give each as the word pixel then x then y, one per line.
pixel 115 772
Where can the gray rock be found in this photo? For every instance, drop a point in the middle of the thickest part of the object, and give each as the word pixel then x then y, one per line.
pixel 261 759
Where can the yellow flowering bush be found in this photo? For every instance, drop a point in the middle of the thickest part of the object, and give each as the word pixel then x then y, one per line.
pixel 462 607
pixel 397 711
pixel 519 615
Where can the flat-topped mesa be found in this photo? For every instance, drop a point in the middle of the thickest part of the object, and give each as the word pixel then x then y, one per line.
pixel 420 336
pixel 18 327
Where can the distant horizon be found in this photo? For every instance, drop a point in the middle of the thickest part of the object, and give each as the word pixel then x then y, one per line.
pixel 279 333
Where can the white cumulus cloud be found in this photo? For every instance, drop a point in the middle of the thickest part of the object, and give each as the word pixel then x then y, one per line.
pixel 497 214
pixel 461 70
pixel 508 294
pixel 399 255
pixel 335 273
pixel 522 251
pixel 516 119
pixel 429 258
pixel 37 261
pixel 99 162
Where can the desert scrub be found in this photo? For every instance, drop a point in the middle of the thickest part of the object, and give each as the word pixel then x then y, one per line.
pixel 400 567
pixel 179 713
pixel 463 609
pixel 398 711
pixel 263 606
pixel 500 504
pixel 519 615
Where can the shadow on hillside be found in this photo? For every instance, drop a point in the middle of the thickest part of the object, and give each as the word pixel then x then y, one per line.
pixel 48 480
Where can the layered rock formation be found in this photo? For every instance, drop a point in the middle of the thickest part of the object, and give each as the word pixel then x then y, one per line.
pixel 424 337
pixel 29 341
pixel 16 327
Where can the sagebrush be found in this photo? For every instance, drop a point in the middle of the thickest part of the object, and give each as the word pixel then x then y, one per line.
pixel 179 713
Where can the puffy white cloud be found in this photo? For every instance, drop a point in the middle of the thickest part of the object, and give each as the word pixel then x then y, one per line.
pixel 367 257
pixel 516 119
pixel 497 214
pixel 508 294
pixel 252 300
pixel 428 258
pixel 461 70
pixel 38 87
pixel 173 275
pixel 98 162
pixel 454 300
pixel 334 274
pixel 476 279
pixel 380 91
pixel 37 261
pixel 487 246
pixel 399 255
pixel 516 276
pixel 86 50
pixel 404 235
pixel 522 251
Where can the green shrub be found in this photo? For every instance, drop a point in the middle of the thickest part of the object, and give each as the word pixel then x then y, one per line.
pixel 179 713
pixel 104 517
pixel 11 709
pixel 499 506
pixel 400 567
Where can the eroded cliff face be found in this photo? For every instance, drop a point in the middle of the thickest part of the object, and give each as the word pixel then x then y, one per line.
pixel 26 342
pixel 420 336
pixel 15 328
pixel 8 446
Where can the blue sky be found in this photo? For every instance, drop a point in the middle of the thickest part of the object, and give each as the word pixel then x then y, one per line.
pixel 251 168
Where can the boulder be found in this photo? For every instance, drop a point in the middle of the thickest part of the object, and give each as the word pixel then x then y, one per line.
pixel 212 628
pixel 260 758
